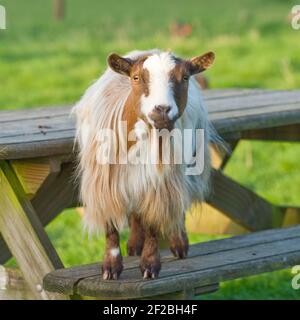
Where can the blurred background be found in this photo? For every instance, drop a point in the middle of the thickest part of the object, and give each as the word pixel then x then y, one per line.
pixel 49 54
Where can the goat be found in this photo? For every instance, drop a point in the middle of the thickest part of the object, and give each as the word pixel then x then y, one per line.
pixel 146 90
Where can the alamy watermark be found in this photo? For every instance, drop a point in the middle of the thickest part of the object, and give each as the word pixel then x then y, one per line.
pixel 295 17
pixel 296 279
pixel 154 146
pixel 2 17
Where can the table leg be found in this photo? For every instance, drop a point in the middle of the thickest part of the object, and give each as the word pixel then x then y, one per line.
pixel 25 235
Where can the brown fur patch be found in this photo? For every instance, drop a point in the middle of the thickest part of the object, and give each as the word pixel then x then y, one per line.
pixel 179 243
pixel 136 239
pixel 179 77
pixel 150 260
pixel 139 78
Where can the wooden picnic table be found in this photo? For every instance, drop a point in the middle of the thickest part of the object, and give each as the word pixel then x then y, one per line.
pixel 36 167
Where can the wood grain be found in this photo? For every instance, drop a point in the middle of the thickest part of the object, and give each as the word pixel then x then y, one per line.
pixel 31 174
pixel 24 234
pixel 13 286
pixel 50 131
pixel 242 205
pixel 58 191
pixel 207 264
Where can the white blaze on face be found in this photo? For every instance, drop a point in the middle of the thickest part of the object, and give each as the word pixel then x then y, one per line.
pixel 160 87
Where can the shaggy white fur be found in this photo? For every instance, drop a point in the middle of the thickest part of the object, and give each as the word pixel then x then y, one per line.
pixel 111 192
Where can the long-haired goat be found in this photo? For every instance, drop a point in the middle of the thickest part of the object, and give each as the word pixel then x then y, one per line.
pixel 146 90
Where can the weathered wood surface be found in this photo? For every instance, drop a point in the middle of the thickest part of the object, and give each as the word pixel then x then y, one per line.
pixel 50 131
pixel 13 286
pixel 207 264
pixel 24 234
pixel 243 205
pixel 57 192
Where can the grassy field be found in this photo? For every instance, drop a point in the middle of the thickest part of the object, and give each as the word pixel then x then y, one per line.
pixel 43 62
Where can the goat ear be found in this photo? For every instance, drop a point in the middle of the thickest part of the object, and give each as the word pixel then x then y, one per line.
pixel 201 63
pixel 119 64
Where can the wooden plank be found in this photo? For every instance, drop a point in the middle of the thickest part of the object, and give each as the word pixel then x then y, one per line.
pixel 52 147
pixel 24 234
pixel 65 131
pixel 262 100
pixel 31 174
pixel 208 263
pixel 231 122
pixel 56 193
pixel 49 112
pixel 219 156
pixel 11 130
pixel 64 280
pixel 242 205
pixel 187 294
pixel 5 254
pixel 185 274
pixel 204 277
pixel 214 94
pixel 205 219
pixel 230 111
pixel 289 133
pixel 13 286
pixel 38 113
pixel 291 216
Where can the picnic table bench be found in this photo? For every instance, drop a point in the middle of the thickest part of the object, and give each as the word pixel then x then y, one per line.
pixel 36 167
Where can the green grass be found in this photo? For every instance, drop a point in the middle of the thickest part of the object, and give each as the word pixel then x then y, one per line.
pixel 43 62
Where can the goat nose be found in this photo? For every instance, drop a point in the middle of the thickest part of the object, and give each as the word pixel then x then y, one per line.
pixel 162 108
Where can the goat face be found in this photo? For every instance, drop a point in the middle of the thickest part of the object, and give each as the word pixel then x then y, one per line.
pixel 159 84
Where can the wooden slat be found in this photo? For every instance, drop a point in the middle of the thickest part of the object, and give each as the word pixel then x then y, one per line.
pixel 13 286
pixel 232 122
pixel 21 115
pixel 24 234
pixel 242 205
pixel 31 174
pixel 5 254
pixel 289 133
pixel 64 132
pixel 215 94
pixel 50 131
pixel 208 263
pixel 250 101
pixel 47 148
pixel 56 193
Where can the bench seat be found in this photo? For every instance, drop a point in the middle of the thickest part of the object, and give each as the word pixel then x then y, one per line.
pixel 207 265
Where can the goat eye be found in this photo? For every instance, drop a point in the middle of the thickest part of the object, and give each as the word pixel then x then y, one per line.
pixel 185 78
pixel 135 78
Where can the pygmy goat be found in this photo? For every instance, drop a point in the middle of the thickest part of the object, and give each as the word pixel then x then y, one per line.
pixel 122 122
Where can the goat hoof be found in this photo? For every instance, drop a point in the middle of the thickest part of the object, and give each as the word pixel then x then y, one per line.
pixel 150 270
pixel 112 267
pixel 179 246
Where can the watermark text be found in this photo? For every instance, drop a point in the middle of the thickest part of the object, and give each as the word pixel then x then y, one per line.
pixel 296 278
pixel 2 17
pixel 295 17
